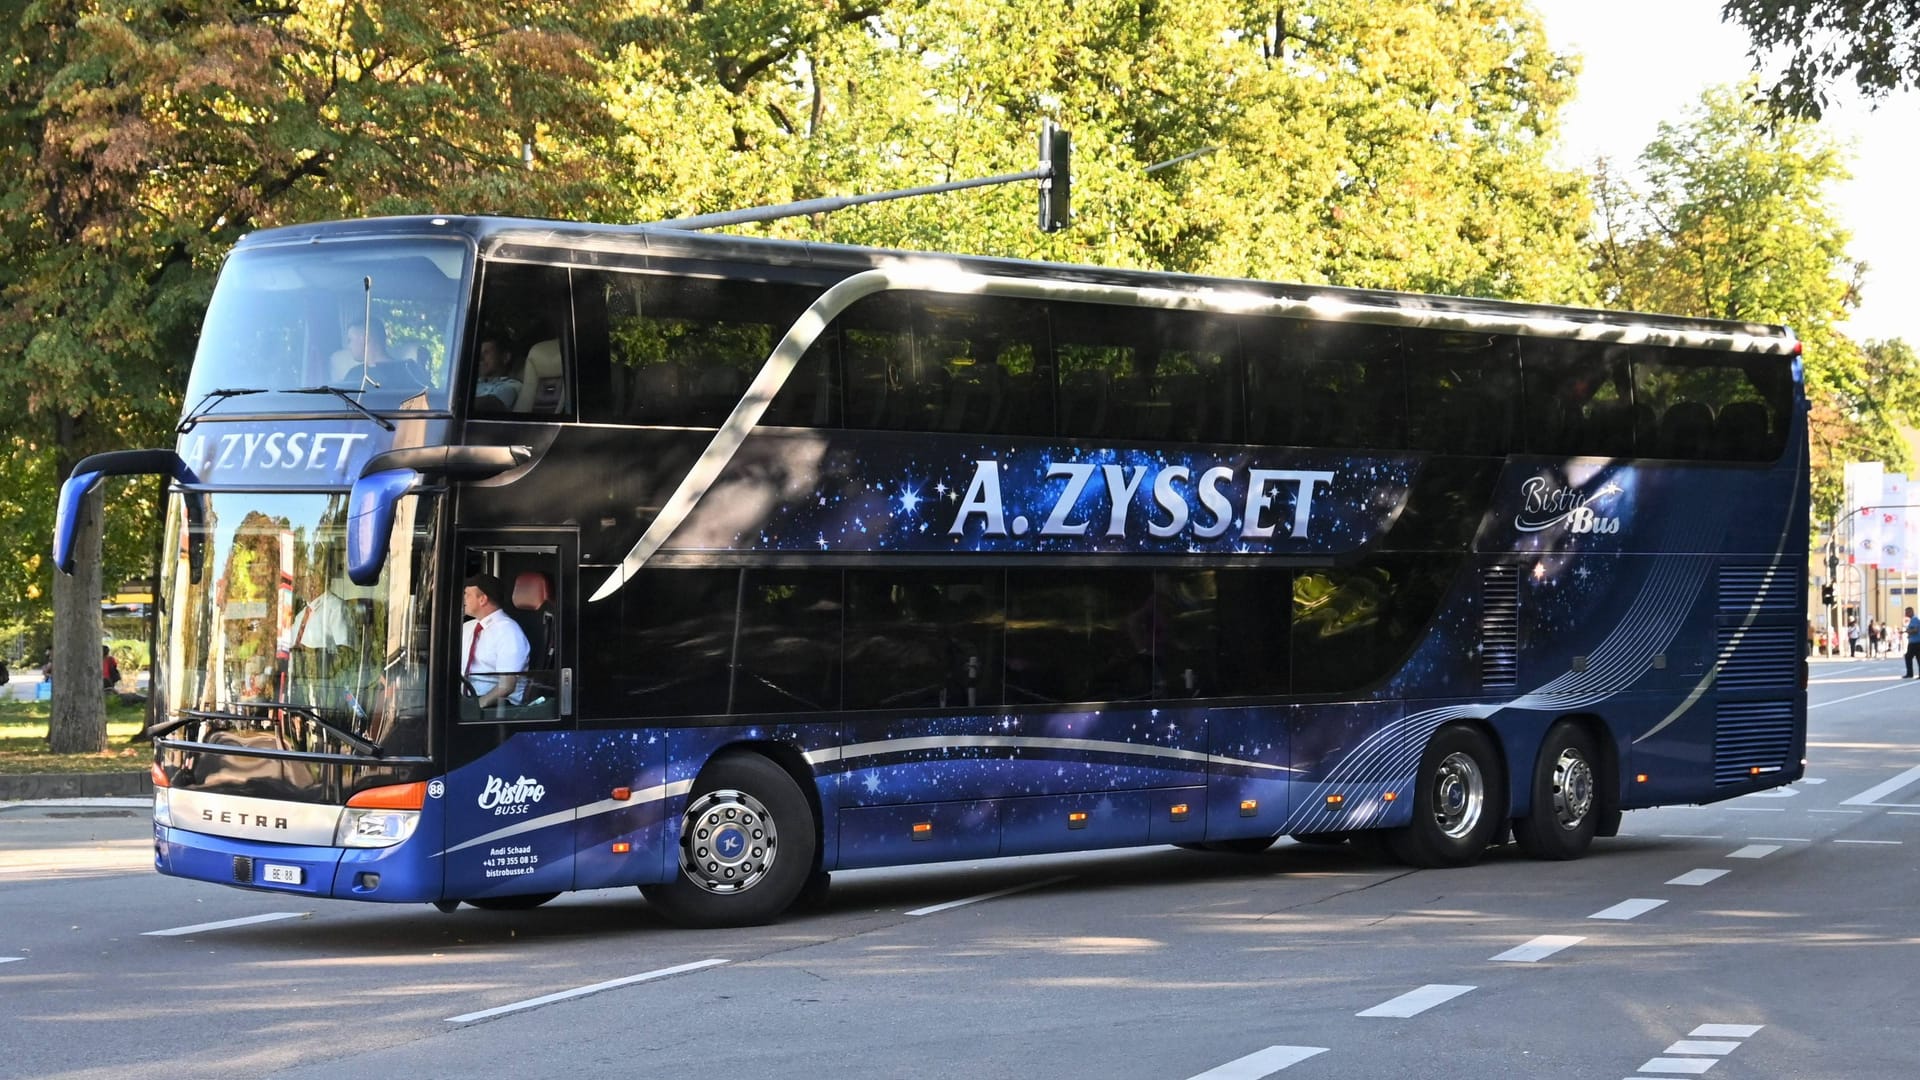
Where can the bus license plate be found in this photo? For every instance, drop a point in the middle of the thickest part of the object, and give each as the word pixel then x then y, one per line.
pixel 280 875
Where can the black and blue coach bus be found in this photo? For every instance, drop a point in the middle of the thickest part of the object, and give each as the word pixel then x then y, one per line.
pixel 832 557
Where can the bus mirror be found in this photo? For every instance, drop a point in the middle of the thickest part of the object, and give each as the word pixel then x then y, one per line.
pixel 370 510
pixel 388 477
pixel 88 474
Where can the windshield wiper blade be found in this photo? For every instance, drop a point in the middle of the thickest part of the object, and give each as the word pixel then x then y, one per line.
pixel 207 402
pixel 349 399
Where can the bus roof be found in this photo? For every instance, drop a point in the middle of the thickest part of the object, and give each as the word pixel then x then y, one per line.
pixel 493 234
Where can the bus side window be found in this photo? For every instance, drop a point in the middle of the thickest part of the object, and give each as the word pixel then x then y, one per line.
pixel 1578 399
pixel 923 638
pixel 1710 405
pixel 663 647
pixel 1462 391
pixel 1326 384
pixel 530 309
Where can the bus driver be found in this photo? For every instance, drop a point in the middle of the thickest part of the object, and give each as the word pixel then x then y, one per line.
pixel 493 648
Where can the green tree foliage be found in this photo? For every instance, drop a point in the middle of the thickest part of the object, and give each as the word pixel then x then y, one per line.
pixel 1732 220
pixel 141 138
pixel 1381 145
pixel 1817 43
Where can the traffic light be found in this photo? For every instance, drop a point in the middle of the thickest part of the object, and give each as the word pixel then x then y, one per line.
pixel 1826 595
pixel 1056 149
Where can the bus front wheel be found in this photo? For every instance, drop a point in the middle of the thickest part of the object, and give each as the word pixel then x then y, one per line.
pixel 746 846
pixel 1458 802
pixel 1566 804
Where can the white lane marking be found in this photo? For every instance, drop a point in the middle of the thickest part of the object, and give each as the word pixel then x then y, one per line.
pixel 1261 1063
pixel 1811 780
pixel 1885 787
pixel 1856 697
pixel 1754 851
pixel 996 894
pixel 1688 1066
pixel 1627 909
pixel 1714 1047
pixel 1836 811
pixel 1538 949
pixel 1783 839
pixel 1415 1002
pixel 227 924
pixel 583 991
pixel 1725 1031
pixel 10 959
pixel 1698 877
pixel 1688 836
pixel 1868 841
pixel 1905 813
pixel 1758 809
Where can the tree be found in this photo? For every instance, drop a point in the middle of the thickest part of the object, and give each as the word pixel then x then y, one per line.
pixel 140 139
pixel 1877 42
pixel 1731 220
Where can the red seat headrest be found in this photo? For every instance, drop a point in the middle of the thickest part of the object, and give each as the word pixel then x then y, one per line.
pixel 530 590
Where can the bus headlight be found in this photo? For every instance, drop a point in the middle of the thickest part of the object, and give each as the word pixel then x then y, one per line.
pixel 374 827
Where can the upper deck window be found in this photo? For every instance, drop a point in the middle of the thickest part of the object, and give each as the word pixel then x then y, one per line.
pixel 374 318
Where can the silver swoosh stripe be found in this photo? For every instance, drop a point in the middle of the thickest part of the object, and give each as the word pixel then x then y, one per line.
pixel 604 806
pixel 1104 746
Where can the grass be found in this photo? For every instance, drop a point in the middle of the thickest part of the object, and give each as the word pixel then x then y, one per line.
pixel 23 741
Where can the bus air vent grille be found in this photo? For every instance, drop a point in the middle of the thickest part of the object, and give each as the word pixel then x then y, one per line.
pixel 1770 589
pixel 1757 656
pixel 1749 735
pixel 1500 627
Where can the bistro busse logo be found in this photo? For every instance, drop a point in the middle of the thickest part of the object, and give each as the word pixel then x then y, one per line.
pixel 1545 504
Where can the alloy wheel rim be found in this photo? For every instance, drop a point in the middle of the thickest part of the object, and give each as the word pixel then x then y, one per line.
pixel 1459 795
pixel 1572 788
pixel 727 842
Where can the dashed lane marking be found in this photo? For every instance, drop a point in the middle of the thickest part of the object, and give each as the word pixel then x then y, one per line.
pixel 994 895
pixel 1538 949
pixel 1726 1031
pixel 1691 1066
pixel 1627 909
pixel 1415 1002
pixel 1783 839
pixel 1698 877
pixel 227 924
pixel 1261 1063
pixel 1712 1047
pixel 1891 842
pixel 1754 851
pixel 582 991
pixel 1688 836
pixel 1836 811
pixel 10 959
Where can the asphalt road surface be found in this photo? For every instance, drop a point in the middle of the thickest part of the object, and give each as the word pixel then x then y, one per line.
pixel 1772 936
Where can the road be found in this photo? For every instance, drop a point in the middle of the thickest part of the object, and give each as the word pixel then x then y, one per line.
pixel 1772 936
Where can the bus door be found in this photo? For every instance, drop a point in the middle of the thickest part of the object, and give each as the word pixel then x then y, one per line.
pixel 511 790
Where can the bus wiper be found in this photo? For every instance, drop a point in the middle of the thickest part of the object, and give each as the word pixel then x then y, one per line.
pixel 207 402
pixel 312 715
pixel 349 399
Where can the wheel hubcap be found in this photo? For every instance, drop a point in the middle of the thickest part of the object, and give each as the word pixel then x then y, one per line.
pixel 727 842
pixel 1572 788
pixel 1459 795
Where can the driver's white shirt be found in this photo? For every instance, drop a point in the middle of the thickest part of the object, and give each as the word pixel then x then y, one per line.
pixel 503 648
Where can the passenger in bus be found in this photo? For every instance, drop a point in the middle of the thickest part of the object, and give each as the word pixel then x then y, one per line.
pixel 368 360
pixel 496 389
pixel 493 648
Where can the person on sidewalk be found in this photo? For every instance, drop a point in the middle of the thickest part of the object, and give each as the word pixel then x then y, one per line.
pixel 1913 642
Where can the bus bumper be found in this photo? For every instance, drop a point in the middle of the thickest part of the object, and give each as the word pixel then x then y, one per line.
pixel 391 875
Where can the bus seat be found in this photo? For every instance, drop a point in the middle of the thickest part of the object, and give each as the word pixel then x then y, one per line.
pixel 544 389
pixel 531 594
pixel 1686 431
pixel 1083 403
pixel 1742 431
pixel 1608 430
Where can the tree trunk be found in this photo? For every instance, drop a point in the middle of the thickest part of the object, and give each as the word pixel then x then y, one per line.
pixel 79 721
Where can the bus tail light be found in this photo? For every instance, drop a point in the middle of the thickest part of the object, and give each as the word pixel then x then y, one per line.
pixel 380 817
pixel 159 776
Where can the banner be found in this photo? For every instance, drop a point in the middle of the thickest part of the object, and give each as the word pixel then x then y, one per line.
pixel 1894 552
pixel 1862 529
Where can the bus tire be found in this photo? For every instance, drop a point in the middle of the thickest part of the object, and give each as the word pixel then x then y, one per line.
pixel 1566 796
pixel 523 902
pixel 742 801
pixel 1457 804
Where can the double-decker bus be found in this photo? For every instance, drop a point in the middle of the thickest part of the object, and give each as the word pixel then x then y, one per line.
pixel 831 557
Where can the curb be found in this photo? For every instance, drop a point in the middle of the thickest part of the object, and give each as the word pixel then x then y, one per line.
pixel 75 786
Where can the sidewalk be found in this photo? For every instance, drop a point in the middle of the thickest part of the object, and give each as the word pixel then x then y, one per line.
pixel 23 787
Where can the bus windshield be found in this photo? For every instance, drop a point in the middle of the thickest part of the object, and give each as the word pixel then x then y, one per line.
pixel 372 318
pixel 274 630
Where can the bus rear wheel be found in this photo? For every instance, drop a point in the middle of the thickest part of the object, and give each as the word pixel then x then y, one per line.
pixel 746 846
pixel 1457 804
pixel 1566 804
